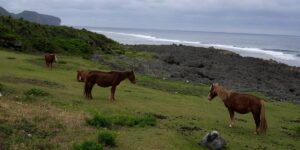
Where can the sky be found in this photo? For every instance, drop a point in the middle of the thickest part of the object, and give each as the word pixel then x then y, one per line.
pixel 242 16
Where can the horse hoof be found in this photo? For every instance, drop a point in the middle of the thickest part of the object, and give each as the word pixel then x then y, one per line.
pixel 230 126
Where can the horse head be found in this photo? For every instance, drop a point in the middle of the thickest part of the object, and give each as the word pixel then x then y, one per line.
pixel 131 77
pixel 213 92
pixel 55 58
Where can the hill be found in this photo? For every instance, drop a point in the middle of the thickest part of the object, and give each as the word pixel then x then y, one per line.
pixel 46 109
pixel 33 17
pixel 22 35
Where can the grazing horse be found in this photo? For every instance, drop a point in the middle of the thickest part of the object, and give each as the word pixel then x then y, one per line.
pixel 81 75
pixel 241 103
pixel 106 79
pixel 49 58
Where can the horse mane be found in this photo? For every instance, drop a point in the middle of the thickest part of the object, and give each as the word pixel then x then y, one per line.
pixel 223 93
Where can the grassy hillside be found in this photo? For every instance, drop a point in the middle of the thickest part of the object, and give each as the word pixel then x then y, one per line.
pixel 46 109
pixel 26 36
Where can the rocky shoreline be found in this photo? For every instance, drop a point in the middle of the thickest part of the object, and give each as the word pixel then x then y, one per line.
pixel 208 65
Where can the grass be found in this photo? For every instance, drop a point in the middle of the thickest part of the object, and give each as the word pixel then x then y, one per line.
pixel 182 113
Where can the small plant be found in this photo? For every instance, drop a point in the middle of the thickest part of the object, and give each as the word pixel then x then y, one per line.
pixel 107 138
pixel 4 90
pixel 99 121
pixel 36 92
pixel 148 120
pixel 10 57
pixel 88 145
pixel 6 129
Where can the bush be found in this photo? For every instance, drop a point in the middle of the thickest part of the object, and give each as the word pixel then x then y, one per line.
pixel 107 138
pixel 36 92
pixel 99 121
pixel 148 120
pixel 88 145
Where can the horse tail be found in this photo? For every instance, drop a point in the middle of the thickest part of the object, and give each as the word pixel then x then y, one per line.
pixel 89 83
pixel 263 126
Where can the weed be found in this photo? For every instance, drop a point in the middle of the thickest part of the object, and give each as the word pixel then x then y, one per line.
pixel 6 129
pixel 36 92
pixel 99 121
pixel 107 138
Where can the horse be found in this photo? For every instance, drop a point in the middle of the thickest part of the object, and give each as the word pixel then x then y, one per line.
pixel 241 103
pixel 81 75
pixel 106 79
pixel 49 58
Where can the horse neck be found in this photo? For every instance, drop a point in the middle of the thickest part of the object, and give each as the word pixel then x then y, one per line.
pixel 123 76
pixel 223 93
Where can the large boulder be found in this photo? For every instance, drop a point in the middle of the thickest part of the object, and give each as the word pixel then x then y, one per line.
pixel 213 140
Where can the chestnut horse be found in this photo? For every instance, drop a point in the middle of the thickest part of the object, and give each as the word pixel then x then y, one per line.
pixel 241 103
pixel 49 58
pixel 81 75
pixel 106 79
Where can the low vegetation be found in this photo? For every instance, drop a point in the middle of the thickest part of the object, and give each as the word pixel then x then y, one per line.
pixel 153 114
pixel 121 120
pixel 26 36
pixel 107 138
pixel 88 145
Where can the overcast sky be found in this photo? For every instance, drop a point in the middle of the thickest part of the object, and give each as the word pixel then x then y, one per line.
pixel 250 16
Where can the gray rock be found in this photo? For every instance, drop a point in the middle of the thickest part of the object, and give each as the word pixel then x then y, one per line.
pixel 213 140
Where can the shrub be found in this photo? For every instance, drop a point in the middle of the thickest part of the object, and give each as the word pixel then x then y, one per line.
pixel 88 145
pixel 36 92
pixel 148 120
pixel 99 121
pixel 107 138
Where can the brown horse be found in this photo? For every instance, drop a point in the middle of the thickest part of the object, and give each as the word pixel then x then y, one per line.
pixel 81 75
pixel 241 103
pixel 106 79
pixel 49 58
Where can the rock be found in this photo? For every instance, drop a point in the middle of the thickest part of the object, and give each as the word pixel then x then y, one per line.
pixel 213 140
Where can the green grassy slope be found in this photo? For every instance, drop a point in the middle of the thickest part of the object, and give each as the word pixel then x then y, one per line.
pixel 57 121
pixel 32 37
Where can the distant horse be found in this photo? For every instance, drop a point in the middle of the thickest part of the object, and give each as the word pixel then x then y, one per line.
pixel 81 75
pixel 241 103
pixel 49 58
pixel 106 79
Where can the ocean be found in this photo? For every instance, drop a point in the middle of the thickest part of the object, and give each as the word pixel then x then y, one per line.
pixel 282 48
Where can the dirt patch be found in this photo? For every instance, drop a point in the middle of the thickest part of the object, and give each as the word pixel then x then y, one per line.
pixel 43 83
pixel 187 130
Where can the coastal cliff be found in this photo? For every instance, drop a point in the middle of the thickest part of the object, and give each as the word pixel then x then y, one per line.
pixel 33 16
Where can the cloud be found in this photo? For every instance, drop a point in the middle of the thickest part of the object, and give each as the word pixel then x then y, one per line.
pixel 263 16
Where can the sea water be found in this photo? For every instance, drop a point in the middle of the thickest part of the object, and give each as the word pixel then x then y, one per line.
pixel 282 48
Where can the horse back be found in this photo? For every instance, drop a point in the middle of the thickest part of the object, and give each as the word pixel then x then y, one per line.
pixel 244 103
pixel 103 79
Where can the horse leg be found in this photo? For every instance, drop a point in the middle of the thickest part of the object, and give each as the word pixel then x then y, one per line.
pixel 112 93
pixel 256 117
pixel 231 113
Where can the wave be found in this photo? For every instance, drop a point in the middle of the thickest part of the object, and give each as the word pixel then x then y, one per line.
pixel 273 53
